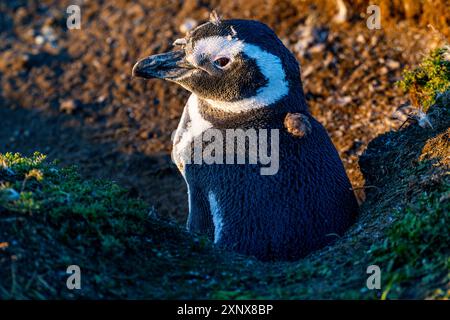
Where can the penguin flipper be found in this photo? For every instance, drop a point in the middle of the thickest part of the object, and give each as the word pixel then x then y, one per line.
pixel 200 219
pixel 297 124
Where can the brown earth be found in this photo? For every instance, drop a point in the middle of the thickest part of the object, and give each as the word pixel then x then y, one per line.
pixel 69 93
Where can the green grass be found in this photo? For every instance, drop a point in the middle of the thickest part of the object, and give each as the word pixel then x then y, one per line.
pixel 427 81
pixel 77 208
pixel 51 217
pixel 416 251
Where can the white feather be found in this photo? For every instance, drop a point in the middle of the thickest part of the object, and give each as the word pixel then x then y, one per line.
pixel 180 42
pixel 215 47
pixel 269 64
pixel 216 216
pixel 195 127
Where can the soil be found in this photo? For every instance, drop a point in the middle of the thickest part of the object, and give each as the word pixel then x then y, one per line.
pixel 69 93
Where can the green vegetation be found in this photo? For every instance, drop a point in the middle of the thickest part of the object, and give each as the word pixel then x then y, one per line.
pixel 51 217
pixel 415 251
pixel 415 248
pixel 429 80
pixel 78 209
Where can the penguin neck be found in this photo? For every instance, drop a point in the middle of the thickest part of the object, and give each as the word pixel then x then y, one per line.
pixel 261 116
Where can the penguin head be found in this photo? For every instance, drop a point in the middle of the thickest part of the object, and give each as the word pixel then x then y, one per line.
pixel 233 65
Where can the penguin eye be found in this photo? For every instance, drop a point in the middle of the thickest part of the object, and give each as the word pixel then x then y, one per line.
pixel 221 62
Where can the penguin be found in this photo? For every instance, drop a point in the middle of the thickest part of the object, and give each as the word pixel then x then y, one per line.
pixel 242 77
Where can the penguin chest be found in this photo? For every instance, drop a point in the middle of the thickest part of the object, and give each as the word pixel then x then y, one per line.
pixel 191 126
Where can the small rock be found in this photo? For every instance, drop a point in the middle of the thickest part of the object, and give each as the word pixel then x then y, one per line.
pixel 101 99
pixel 39 40
pixel 392 64
pixel 373 41
pixel 384 70
pixel 318 48
pixel 360 39
pixel 342 101
pixel 305 39
pixel 307 71
pixel 68 106
pixel 145 134
pixel 341 16
pixel 338 133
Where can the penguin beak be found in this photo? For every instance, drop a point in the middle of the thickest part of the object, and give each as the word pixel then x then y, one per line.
pixel 169 66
